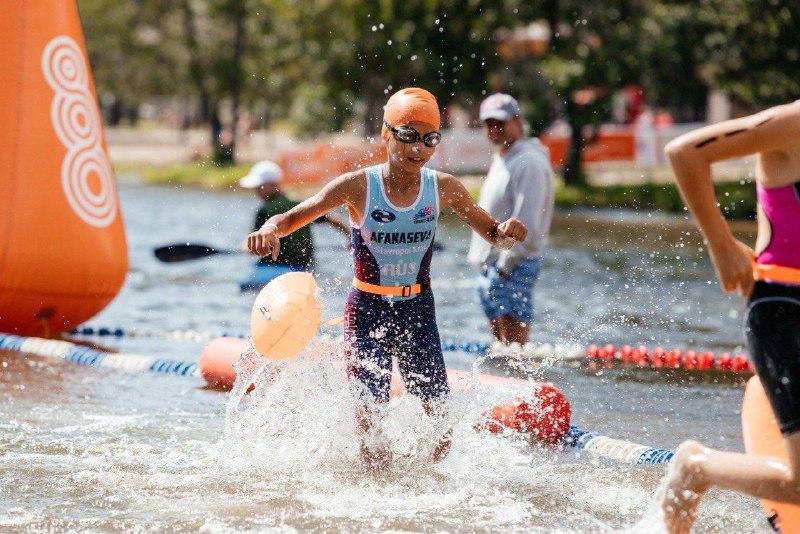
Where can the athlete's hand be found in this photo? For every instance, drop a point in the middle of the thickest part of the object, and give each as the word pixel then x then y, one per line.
pixel 509 232
pixel 733 262
pixel 264 241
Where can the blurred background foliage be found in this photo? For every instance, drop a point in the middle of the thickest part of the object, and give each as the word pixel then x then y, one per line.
pixel 328 65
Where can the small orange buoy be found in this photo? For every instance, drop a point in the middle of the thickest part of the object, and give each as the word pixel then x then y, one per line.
pixel 286 316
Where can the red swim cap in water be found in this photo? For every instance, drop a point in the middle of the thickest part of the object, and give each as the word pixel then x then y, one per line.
pixel 411 104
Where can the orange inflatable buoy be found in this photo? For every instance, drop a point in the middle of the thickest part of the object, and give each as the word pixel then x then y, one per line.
pixel 63 254
pixel 286 316
pixel 217 359
pixel 762 437
pixel 544 414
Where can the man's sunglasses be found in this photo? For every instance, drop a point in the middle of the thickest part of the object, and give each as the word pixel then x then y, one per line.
pixel 407 134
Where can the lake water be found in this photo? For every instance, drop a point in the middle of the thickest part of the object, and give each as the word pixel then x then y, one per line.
pixel 93 449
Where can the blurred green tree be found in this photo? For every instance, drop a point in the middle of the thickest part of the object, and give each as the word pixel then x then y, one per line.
pixel 595 50
pixel 132 54
pixel 751 50
pixel 363 51
pixel 322 64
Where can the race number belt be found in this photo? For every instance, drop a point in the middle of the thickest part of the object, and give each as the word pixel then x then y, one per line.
pixel 391 291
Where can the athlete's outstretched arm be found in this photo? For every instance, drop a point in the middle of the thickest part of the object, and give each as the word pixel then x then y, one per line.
pixel 453 194
pixel 266 240
pixel 691 156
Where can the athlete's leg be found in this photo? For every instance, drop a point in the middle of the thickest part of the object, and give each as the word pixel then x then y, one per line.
pixel 493 301
pixel 515 331
pixel 421 362
pixel 498 330
pixel 773 336
pixel 369 365
pixel 437 408
pixel 696 468
pixel 376 456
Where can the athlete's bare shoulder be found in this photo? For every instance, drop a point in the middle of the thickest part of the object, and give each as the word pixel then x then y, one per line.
pixel 790 113
pixel 354 179
pixel 347 187
pixel 446 182
pixel 774 129
pixel 791 107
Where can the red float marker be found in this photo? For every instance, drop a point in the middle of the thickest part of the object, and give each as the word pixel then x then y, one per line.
pixel 671 359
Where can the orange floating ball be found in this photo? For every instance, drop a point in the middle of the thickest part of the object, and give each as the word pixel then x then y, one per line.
pixel 286 316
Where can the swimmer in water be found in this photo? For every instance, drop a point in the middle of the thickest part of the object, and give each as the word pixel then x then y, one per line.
pixel 772 287
pixel 394 209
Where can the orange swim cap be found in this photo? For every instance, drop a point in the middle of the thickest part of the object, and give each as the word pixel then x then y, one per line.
pixel 409 105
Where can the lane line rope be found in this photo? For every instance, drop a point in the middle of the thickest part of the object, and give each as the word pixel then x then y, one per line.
pixel 595 444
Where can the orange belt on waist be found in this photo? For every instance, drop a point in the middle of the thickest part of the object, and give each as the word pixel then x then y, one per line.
pixel 776 273
pixel 390 291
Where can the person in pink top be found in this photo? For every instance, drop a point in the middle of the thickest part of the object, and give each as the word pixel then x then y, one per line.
pixel 769 278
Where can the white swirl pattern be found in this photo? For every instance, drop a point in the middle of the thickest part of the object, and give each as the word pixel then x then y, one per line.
pixel 76 122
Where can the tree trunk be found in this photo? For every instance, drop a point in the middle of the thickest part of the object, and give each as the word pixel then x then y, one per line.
pixel 573 168
pixel 208 109
pixel 371 116
pixel 228 144
pixel 220 153
pixel 551 10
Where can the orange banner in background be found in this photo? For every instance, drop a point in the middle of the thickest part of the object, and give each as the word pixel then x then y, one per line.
pixel 329 160
pixel 63 254
pixel 611 144
pixel 461 152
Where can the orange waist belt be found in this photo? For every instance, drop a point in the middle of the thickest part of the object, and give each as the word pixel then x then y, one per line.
pixel 391 291
pixel 776 273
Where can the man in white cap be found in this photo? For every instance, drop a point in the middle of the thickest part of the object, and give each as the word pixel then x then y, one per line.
pixel 297 249
pixel 520 185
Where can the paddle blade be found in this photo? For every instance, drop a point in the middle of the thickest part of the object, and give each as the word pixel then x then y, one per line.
pixel 185 252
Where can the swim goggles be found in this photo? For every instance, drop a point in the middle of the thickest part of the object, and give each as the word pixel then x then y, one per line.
pixel 408 135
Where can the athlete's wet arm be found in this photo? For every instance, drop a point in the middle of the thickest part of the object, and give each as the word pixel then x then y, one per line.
pixel 330 197
pixel 770 132
pixel 454 195
pixel 692 154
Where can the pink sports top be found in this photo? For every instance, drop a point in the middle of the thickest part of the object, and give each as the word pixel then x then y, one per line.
pixel 781 205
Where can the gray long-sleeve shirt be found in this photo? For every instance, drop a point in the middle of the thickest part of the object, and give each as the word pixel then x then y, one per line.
pixel 520 185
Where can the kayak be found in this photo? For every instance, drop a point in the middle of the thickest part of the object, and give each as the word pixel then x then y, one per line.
pixel 263 273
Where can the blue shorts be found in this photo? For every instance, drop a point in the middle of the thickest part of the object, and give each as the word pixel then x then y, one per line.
pixel 513 296
pixel 376 329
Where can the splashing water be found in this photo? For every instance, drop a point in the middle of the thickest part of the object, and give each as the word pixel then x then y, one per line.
pixel 297 430
pixel 87 449
pixel 286 456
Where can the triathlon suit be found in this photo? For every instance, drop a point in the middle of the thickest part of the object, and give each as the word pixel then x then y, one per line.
pixel 773 316
pixel 392 246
